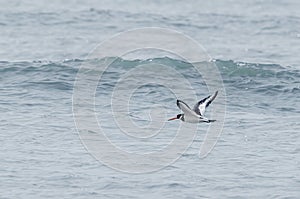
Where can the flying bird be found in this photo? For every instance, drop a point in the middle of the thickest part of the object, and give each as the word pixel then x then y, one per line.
pixel 196 114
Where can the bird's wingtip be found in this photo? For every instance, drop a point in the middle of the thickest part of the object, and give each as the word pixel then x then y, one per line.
pixel 215 95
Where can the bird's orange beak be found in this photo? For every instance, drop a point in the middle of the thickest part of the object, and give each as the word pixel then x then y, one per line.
pixel 174 118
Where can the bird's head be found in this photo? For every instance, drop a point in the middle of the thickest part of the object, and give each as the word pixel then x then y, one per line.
pixel 179 116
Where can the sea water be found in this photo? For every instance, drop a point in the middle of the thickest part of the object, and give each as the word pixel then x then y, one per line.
pixel 254 46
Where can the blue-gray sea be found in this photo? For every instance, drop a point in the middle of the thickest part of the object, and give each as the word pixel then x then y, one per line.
pixel 254 44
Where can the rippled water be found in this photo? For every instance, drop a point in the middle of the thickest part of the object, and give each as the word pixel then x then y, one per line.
pixel 257 154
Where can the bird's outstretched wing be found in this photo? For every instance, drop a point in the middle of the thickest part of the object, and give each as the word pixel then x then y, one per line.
pixel 185 108
pixel 200 107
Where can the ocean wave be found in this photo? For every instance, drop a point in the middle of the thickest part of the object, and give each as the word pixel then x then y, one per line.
pixel 241 75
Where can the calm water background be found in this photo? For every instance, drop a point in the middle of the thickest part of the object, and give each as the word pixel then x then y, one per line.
pixel 255 45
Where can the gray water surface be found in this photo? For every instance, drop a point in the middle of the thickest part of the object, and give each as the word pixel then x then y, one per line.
pixel 255 46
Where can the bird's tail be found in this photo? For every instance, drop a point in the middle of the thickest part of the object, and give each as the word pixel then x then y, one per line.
pixel 209 121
